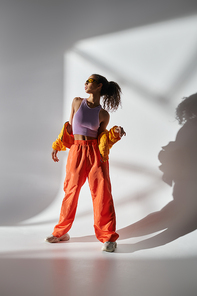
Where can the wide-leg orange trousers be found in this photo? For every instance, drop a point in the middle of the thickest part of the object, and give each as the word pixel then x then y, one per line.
pixel 83 162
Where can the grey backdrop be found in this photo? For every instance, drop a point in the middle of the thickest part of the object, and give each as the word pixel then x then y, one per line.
pixel 34 35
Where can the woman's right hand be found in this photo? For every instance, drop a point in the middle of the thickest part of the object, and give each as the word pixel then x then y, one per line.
pixel 69 128
pixel 121 131
pixel 54 155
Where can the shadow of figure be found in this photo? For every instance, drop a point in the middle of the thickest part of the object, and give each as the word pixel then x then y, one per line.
pixel 179 166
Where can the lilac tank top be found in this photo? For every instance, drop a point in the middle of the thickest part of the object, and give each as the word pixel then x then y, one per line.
pixel 86 120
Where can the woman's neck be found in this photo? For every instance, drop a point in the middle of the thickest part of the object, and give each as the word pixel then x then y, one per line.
pixel 94 100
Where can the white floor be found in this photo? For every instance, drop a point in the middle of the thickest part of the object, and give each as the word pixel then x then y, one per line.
pixel 29 266
pixel 146 265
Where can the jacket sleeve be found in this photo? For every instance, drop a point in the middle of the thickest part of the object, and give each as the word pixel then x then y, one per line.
pixel 105 142
pixel 64 140
pixel 113 136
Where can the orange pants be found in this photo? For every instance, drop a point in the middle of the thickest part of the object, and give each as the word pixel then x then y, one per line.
pixel 83 162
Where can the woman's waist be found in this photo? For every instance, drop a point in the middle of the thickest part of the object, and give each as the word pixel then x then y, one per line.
pixel 83 137
pixel 85 140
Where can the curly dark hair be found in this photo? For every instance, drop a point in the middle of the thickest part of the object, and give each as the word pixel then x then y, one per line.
pixel 187 109
pixel 110 92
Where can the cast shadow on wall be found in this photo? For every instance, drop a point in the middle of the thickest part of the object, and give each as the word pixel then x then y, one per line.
pixel 179 216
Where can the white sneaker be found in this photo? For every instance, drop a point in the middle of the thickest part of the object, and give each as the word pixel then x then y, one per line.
pixel 109 246
pixel 54 239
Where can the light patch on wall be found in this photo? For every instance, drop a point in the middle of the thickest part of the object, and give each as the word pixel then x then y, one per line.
pixel 155 66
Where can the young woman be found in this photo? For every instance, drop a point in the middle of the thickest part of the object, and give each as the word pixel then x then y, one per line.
pixel 87 159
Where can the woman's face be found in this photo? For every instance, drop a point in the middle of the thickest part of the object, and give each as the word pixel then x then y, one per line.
pixel 92 86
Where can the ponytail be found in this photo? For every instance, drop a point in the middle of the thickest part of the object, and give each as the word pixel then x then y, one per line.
pixel 110 92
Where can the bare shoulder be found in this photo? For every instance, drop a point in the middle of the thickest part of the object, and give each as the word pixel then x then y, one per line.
pixel 76 103
pixel 77 100
pixel 104 115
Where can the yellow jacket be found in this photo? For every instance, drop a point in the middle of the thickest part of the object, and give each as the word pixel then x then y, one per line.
pixel 105 141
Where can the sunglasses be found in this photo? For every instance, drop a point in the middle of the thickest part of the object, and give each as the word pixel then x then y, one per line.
pixel 90 80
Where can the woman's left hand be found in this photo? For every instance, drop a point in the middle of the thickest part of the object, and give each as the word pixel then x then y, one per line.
pixel 121 131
